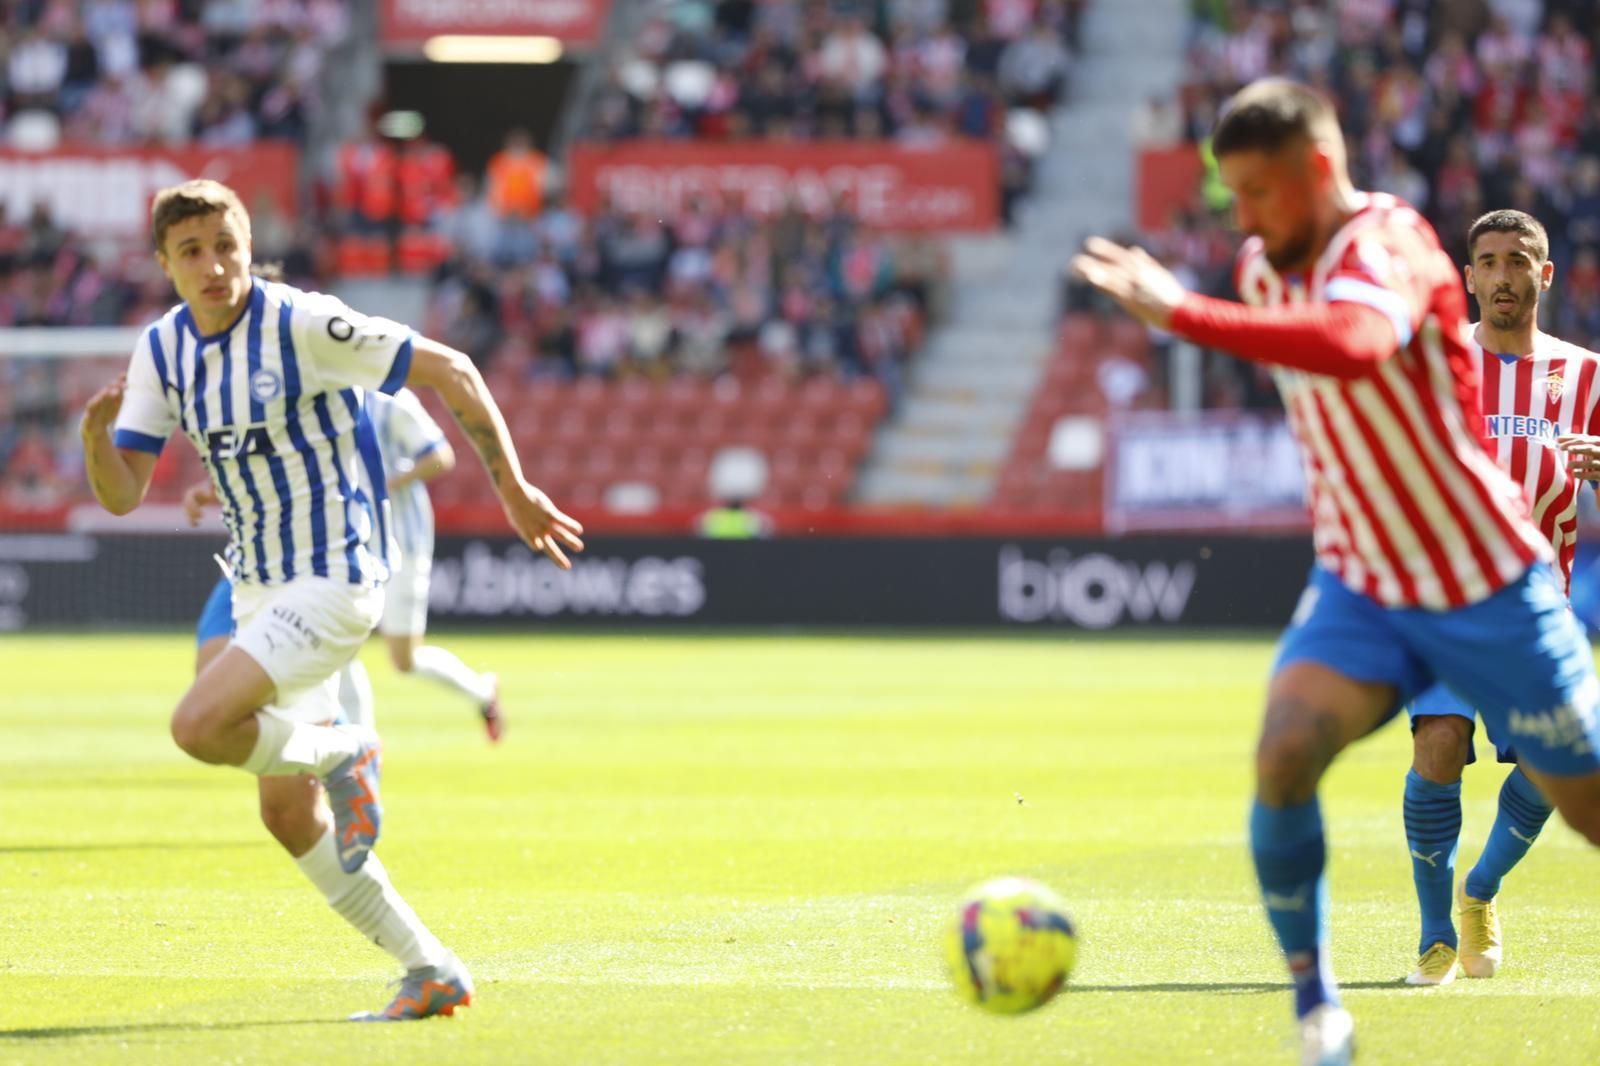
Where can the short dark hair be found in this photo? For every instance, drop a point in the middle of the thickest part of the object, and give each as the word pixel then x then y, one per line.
pixel 1509 221
pixel 194 199
pixel 1271 113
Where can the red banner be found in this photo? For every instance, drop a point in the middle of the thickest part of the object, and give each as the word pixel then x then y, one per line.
pixel 953 187
pixel 572 21
pixel 107 191
pixel 1169 179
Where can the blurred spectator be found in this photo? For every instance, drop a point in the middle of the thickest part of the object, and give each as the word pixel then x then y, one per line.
pixel 1033 69
pixel 1158 124
pixel 733 519
pixel 222 72
pixel 43 239
pixel 909 70
pixel 36 70
pixel 602 336
pixel 467 222
pixel 852 60
pixel 704 290
pixel 366 190
pixel 225 119
pixel 424 180
pixel 919 73
pixel 516 177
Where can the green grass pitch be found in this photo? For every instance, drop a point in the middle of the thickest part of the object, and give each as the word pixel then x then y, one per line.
pixel 737 850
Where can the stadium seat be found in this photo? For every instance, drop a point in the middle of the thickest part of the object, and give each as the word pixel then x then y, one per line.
pixel 420 252
pixel 358 257
pixel 867 399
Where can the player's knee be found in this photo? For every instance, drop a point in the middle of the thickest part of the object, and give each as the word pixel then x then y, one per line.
pixel 192 729
pixel 1586 822
pixel 1288 765
pixel 1440 747
pixel 1584 818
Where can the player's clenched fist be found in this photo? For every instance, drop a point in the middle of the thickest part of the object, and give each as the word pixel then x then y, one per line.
pixel 542 525
pixel 101 410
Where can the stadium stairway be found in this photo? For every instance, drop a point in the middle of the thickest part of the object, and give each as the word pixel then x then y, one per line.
pixel 970 388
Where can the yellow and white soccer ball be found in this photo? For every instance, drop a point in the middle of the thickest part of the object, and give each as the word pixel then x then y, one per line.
pixel 1011 945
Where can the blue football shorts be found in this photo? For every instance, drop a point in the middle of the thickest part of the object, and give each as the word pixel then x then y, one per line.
pixel 1519 657
pixel 216 618
pixel 1438 701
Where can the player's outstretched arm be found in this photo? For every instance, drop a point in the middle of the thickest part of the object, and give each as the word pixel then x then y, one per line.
pixel 119 477
pixel 537 521
pixel 1342 339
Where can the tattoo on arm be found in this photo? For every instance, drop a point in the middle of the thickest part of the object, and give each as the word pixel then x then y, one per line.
pixel 486 440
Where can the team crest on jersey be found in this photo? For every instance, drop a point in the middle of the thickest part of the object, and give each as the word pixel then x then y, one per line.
pixel 1555 385
pixel 265 386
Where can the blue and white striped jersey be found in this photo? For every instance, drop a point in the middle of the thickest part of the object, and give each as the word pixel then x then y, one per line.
pixel 406 433
pixel 273 405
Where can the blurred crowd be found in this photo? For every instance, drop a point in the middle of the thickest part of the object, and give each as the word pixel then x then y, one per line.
pixel 516 277
pixel 1458 106
pixel 917 71
pixel 130 72
pixel 707 291
pixel 914 72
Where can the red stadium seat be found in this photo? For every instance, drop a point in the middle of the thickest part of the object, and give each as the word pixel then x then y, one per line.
pixel 801 430
pixel 822 394
pixel 583 496
pixel 851 433
pixel 598 462
pixel 420 252
pixel 619 427
pixel 361 256
pixel 867 399
pixel 573 424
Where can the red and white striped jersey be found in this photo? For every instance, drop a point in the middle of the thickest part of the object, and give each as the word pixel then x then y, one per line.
pixel 1529 401
pixel 1407 505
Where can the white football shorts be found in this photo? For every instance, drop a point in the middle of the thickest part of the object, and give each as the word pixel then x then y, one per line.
pixel 303 633
pixel 405 603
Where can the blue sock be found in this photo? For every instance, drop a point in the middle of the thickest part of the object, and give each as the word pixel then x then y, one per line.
pixel 1522 814
pixel 1290 854
pixel 1433 829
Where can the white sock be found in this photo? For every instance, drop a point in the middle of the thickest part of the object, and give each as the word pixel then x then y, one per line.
pixel 286 748
pixel 355 695
pixel 442 666
pixel 369 902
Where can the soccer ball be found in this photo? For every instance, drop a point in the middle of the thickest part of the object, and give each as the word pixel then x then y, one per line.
pixel 1011 946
